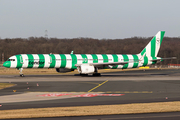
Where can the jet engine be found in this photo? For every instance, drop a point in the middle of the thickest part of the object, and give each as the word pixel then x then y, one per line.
pixel 63 70
pixel 86 69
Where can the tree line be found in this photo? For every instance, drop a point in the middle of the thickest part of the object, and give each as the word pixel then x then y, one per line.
pixel 39 45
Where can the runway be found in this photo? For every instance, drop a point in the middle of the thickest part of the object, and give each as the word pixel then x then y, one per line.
pixel 40 91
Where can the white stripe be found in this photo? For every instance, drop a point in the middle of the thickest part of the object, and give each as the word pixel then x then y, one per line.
pixel 79 59
pixel 140 62
pixel 120 59
pixel 58 61
pixel 158 40
pixel 110 58
pixel 90 58
pixel 68 61
pixel 100 58
pixel 25 60
pixel 13 63
pixel 36 61
pixel 131 59
pixel 148 49
pixel 47 60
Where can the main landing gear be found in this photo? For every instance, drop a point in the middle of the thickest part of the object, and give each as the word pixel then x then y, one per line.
pixel 94 74
pixel 21 73
pixel 83 74
pixel 97 74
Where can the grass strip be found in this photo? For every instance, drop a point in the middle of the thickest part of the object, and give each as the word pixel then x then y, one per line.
pixel 5 85
pixel 135 108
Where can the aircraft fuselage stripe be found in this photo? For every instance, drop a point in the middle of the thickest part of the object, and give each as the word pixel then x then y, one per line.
pixel 70 60
pixel 126 59
pixel 52 61
pixel 63 61
pixel 30 61
pixel 41 60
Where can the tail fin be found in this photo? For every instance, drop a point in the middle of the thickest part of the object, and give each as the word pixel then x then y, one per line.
pixel 152 48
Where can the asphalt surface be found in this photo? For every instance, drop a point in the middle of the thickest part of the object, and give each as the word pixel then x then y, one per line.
pixel 136 86
pixel 149 116
pixel 134 89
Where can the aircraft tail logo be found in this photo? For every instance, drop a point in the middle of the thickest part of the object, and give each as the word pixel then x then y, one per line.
pixel 152 48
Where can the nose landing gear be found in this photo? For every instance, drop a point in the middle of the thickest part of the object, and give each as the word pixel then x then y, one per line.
pixel 21 73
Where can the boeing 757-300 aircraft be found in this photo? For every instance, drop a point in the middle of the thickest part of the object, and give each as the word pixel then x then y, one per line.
pixel 89 63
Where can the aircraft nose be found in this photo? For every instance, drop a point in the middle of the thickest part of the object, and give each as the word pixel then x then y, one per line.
pixel 7 64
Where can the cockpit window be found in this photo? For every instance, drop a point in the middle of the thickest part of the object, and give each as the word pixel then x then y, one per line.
pixel 11 59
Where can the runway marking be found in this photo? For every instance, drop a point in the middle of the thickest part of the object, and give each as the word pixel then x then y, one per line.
pixel 94 92
pixel 98 86
pixel 79 95
pixel 94 95
pixel 54 95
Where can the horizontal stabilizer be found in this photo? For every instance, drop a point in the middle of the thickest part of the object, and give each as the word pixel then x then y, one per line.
pixel 163 59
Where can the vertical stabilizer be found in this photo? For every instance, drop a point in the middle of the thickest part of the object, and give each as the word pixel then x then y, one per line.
pixel 152 48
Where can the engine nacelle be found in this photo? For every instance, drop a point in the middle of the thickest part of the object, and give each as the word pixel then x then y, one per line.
pixel 86 69
pixel 63 70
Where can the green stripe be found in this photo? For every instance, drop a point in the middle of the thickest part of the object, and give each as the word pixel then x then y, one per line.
pixel 30 61
pixel 145 61
pixel 95 58
pixel 105 58
pixel 115 57
pixel 74 61
pixel 85 59
pixel 41 60
pixel 144 50
pixel 153 47
pixel 52 60
pixel 135 61
pixel 63 61
pixel 19 61
pixel 125 57
pixel 162 35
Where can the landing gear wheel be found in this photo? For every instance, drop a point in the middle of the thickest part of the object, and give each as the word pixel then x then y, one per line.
pixel 97 74
pixel 22 75
pixel 83 74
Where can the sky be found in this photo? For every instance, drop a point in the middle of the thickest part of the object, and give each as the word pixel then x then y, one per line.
pixel 109 19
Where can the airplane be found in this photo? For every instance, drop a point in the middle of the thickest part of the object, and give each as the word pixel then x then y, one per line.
pixel 89 63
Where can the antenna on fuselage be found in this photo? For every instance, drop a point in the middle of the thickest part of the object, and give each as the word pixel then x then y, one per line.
pixel 72 52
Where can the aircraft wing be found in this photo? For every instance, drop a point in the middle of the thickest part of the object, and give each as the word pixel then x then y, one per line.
pixel 109 63
pixel 163 59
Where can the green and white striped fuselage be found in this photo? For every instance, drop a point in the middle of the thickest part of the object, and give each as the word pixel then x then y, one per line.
pixel 69 61
pixel 89 63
